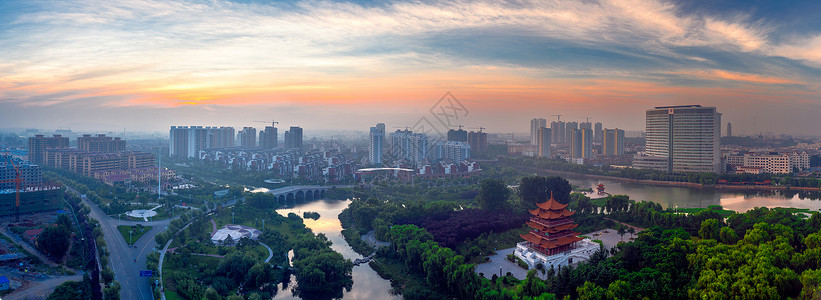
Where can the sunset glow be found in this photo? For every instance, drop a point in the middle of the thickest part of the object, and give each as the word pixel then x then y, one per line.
pixel 303 61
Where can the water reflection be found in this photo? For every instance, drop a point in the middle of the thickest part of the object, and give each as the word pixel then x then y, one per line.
pixel 671 196
pixel 366 283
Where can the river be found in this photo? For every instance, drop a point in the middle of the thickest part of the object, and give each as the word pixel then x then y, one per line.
pixel 366 283
pixel 686 197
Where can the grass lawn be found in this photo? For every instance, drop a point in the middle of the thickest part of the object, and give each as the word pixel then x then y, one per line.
pixel 135 236
pixel 171 295
pixel 723 212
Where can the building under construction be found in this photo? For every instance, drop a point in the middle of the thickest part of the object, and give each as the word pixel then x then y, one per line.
pixel 22 189
pixel 32 199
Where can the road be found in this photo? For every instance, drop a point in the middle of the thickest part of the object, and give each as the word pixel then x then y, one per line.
pixel 121 258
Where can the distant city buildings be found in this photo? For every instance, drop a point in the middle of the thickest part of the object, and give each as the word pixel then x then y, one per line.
pixel 188 141
pixel 535 125
pixel 729 129
pixel 39 144
pixel 100 143
pixel 456 151
pixel 268 138
pixel 376 138
pixel 293 138
pixel 581 143
pixel 768 162
pixel 409 146
pixel 687 136
pixel 598 133
pixel 459 135
pixel 247 137
pixel 544 142
pixel 613 143
pixel 477 141
pixel 557 130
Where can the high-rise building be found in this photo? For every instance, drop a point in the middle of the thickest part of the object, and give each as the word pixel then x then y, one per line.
pixel 477 141
pixel 375 144
pixel 32 174
pixel 456 151
pixel 100 143
pixel 729 129
pixel 544 142
pixel 586 125
pixel 409 146
pixel 568 130
pixel 188 141
pixel 247 137
pixel 688 136
pixel 221 137
pixel 535 124
pixel 459 135
pixel 613 143
pixel 39 144
pixel 293 138
pixel 268 137
pixel 598 134
pixel 581 143
pixel 557 130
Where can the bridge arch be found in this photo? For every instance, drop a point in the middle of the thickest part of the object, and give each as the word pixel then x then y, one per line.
pixel 322 195
pixel 300 196
pixel 309 195
pixel 281 198
pixel 289 199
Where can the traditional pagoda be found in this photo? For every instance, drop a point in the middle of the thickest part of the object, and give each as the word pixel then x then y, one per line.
pixel 552 228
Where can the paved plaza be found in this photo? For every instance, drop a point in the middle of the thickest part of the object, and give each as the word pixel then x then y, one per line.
pixel 610 237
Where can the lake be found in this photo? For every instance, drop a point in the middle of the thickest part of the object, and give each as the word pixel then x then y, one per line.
pixel 685 197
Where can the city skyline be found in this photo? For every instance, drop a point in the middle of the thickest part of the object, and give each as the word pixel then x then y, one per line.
pixel 348 65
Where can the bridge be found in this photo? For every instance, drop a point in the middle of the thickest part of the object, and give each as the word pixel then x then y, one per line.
pixel 301 193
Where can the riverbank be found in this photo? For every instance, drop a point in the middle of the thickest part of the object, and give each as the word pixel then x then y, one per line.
pixel 678 183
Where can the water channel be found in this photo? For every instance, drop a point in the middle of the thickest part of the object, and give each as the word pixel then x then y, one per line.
pixel 366 283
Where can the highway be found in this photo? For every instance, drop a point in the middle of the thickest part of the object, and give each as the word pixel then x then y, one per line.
pixel 121 258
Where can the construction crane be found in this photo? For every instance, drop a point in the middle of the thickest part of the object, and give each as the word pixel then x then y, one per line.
pixel 558 117
pixel 18 182
pixel 273 123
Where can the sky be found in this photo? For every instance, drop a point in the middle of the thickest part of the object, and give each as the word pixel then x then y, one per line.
pixel 148 65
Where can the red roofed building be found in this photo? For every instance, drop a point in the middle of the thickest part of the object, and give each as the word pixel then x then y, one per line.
pixel 552 242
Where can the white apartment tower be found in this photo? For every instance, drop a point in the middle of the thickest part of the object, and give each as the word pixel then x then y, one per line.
pixel 688 136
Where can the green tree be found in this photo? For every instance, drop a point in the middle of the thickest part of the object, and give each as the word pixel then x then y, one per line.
pixel 710 229
pixel 54 241
pixel 493 194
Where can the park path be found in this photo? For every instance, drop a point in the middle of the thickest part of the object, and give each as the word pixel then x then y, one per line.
pixel 213 227
pixel 42 289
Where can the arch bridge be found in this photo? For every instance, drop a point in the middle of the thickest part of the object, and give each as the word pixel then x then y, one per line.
pixel 299 193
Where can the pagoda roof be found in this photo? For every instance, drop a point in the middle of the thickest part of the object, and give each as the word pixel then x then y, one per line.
pixel 542 242
pixel 551 204
pixel 553 229
pixel 549 214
